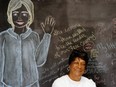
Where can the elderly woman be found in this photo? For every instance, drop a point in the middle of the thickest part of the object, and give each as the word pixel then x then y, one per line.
pixel 78 61
pixel 21 50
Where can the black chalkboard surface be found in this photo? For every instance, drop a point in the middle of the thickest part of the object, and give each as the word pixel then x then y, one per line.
pixel 80 24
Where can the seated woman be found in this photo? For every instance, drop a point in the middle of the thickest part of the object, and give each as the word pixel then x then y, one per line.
pixel 78 61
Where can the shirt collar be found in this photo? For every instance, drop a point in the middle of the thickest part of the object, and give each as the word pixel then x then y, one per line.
pixel 23 35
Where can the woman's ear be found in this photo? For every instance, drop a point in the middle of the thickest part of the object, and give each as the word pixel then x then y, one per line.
pixel 85 71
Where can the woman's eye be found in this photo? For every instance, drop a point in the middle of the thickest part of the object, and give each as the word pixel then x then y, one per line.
pixel 24 14
pixel 83 64
pixel 15 14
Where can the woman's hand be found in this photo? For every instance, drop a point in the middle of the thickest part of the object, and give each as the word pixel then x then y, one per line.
pixel 48 26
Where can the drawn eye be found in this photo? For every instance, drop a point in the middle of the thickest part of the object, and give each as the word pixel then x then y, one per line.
pixel 15 14
pixel 24 14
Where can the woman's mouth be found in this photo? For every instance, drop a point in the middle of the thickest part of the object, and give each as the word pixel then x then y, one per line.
pixel 20 22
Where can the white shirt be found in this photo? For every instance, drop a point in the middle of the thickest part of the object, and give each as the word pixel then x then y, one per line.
pixel 65 81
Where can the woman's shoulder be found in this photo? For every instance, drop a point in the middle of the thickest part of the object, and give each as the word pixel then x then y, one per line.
pixel 61 81
pixel 61 78
pixel 88 81
pixel 83 78
pixel 3 33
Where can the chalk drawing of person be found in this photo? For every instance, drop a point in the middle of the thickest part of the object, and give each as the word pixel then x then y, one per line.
pixel 21 50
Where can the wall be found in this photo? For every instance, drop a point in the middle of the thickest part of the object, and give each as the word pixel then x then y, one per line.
pixel 83 24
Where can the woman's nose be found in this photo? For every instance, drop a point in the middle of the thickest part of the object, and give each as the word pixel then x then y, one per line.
pixel 19 17
pixel 79 65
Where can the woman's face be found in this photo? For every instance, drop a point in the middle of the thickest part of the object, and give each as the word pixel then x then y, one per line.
pixel 77 67
pixel 20 17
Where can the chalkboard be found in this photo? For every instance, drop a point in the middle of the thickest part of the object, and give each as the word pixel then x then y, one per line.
pixel 80 24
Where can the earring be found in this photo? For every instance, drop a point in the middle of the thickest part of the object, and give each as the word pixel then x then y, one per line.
pixel 68 69
pixel 85 71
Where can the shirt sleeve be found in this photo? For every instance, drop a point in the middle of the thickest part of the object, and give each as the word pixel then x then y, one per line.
pixel 1 57
pixel 91 83
pixel 42 50
pixel 60 82
pixel 1 84
pixel 56 83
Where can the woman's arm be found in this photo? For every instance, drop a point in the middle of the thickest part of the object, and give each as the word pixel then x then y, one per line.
pixel 1 58
pixel 43 48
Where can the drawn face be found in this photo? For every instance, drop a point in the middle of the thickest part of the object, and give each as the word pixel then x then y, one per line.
pixel 20 17
pixel 77 67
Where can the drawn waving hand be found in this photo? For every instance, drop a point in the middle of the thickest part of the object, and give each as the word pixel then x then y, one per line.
pixel 48 25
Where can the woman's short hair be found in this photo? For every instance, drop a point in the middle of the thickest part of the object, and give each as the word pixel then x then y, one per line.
pixel 80 54
pixel 16 4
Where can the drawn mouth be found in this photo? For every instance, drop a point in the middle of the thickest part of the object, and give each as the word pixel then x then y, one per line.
pixel 20 22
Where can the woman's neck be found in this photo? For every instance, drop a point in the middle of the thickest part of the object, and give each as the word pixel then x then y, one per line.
pixel 20 30
pixel 73 77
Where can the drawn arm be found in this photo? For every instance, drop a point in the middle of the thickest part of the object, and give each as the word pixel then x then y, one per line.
pixel 43 48
pixel 1 60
